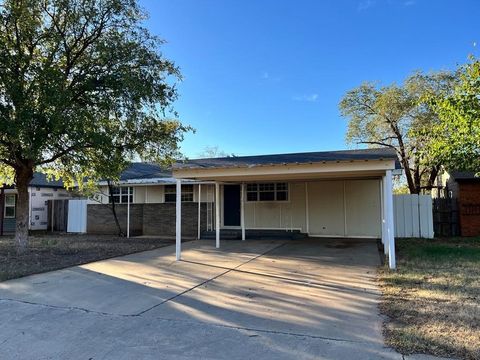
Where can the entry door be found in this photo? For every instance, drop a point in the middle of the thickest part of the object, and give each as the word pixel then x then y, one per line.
pixel 231 205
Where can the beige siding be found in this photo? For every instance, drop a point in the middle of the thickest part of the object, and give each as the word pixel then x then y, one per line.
pixel 336 208
pixel 326 208
pixel 207 193
pixel 139 194
pixel 155 194
pixel 362 200
pixel 278 215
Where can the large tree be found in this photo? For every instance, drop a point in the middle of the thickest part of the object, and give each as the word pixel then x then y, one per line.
pixel 455 140
pixel 84 89
pixel 388 116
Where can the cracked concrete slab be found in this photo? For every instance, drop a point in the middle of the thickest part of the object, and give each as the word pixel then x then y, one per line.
pixel 314 299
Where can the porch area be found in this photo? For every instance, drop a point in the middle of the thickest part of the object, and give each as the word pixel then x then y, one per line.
pixel 316 197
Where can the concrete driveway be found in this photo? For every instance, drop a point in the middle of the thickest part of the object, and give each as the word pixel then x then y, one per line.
pixel 259 299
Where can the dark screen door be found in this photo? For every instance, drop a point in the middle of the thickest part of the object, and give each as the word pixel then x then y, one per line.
pixel 231 205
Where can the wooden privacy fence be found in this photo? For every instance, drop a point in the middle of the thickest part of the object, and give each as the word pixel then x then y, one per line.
pixel 413 216
pixel 446 217
pixel 57 215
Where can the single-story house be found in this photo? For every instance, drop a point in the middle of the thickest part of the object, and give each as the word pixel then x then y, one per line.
pixel 464 188
pixel 40 190
pixel 320 194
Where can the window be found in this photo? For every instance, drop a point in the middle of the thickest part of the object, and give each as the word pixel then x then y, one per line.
pixel 9 206
pixel 120 195
pixel 171 193
pixel 267 192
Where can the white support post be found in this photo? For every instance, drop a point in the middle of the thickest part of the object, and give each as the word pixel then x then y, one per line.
pixel 178 220
pixel 217 215
pixel 390 221
pixel 384 215
pixel 128 212
pixel 382 211
pixel 307 220
pixel 199 209
pixel 242 211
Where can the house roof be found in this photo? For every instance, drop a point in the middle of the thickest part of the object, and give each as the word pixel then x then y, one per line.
pixel 464 176
pixel 41 180
pixel 141 170
pixel 292 158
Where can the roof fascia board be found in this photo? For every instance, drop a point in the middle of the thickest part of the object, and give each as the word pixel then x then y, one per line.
pixel 285 169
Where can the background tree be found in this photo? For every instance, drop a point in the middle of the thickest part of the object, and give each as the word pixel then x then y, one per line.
pixel 455 140
pixel 83 90
pixel 213 152
pixel 387 115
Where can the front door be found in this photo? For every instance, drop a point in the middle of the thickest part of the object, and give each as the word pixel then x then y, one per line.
pixel 231 205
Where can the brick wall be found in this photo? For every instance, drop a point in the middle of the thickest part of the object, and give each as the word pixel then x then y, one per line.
pixel 147 219
pixel 469 206
pixel 100 219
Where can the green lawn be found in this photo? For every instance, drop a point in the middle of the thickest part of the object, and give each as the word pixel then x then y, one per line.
pixel 433 300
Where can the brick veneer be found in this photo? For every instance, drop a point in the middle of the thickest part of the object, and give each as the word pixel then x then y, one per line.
pixel 469 205
pixel 146 219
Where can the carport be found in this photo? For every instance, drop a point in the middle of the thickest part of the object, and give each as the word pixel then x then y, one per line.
pixel 343 194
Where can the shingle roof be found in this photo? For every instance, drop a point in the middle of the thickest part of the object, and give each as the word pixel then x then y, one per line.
pixel 40 180
pixel 464 176
pixel 293 158
pixel 139 170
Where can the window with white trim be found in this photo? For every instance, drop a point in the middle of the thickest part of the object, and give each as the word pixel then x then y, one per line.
pixel 120 195
pixel 171 193
pixel 9 208
pixel 267 192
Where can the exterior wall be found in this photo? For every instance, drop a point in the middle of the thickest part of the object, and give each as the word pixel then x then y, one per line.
pixel 469 205
pixel 156 194
pixel 335 208
pixel 159 219
pixel 100 219
pixel 363 208
pixel 38 207
pixel 326 208
pixel 278 215
pixel 146 219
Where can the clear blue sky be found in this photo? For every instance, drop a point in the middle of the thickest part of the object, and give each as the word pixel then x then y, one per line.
pixel 266 76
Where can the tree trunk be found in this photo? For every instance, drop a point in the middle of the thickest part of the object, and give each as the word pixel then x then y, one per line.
pixel 23 177
pixel 114 211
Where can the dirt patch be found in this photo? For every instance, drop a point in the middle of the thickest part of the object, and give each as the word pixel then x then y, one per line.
pixel 52 252
pixel 433 300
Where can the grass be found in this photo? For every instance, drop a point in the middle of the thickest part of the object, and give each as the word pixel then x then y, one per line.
pixel 432 301
pixel 51 252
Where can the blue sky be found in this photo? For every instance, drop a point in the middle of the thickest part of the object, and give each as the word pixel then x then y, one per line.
pixel 266 76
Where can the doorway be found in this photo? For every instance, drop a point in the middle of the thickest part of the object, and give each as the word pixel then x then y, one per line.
pixel 231 205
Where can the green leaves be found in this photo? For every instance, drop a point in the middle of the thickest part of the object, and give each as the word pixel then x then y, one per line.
pixel 455 139
pixel 392 116
pixel 84 88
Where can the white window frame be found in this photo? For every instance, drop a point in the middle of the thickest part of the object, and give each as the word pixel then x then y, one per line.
pixel 123 191
pixel 6 205
pixel 172 190
pixel 275 191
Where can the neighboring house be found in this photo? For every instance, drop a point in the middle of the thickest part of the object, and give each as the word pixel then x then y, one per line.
pixel 330 194
pixel 464 187
pixel 40 191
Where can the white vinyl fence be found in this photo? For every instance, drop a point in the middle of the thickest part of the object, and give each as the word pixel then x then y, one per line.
pixel 413 216
pixel 77 216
